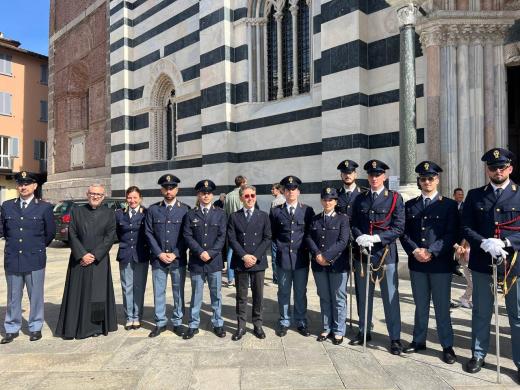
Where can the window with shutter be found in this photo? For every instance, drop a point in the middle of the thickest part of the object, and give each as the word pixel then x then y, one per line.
pixel 5 64
pixel 43 110
pixel 44 74
pixel 5 103
pixel 4 152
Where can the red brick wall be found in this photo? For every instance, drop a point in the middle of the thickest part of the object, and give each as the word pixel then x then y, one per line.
pixel 64 11
pixel 80 75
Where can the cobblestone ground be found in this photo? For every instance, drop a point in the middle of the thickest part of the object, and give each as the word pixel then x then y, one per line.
pixel 129 359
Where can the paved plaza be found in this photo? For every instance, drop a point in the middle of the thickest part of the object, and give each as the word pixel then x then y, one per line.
pixel 129 359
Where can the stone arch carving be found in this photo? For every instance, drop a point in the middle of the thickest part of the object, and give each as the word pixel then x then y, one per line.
pixel 165 77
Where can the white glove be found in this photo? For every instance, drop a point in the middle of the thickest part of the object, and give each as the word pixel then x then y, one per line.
pixel 376 238
pixel 364 240
pixel 497 252
pixel 494 247
pixel 496 242
pixel 485 245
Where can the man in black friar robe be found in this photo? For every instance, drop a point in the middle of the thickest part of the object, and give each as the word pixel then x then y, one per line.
pixel 88 306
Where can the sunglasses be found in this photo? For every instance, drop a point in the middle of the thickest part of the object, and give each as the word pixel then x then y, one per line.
pixel 498 168
pixel 249 196
pixel 425 179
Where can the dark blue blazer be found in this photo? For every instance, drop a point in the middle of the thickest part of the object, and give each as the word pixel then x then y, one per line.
pixel 289 235
pixel 344 205
pixel 27 233
pixel 205 234
pixel 163 231
pixel 480 213
pixel 435 228
pixel 329 237
pixel 366 211
pixel 133 246
pixel 249 238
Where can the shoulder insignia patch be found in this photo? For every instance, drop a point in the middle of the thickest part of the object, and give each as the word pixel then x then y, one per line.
pixel 513 187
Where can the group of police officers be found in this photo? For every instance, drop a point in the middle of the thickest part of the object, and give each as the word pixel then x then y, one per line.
pixel 355 233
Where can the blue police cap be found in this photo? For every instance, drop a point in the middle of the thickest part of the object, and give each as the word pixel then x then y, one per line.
pixel 329 193
pixel 498 156
pixel 427 168
pixel 205 186
pixel 347 166
pixel 24 177
pixel 375 166
pixel 168 180
pixel 290 182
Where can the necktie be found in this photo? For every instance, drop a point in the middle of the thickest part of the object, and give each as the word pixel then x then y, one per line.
pixel 498 192
pixel 248 215
pixel 291 211
pixel 169 208
pixel 427 202
pixel 204 211
pixel 132 213
pixel 374 196
pixel 24 205
pixel 348 195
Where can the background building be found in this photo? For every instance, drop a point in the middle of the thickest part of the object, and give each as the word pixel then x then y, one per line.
pixel 79 120
pixel 216 88
pixel 23 115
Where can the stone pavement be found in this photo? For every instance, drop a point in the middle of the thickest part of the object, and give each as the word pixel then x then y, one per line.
pixel 128 360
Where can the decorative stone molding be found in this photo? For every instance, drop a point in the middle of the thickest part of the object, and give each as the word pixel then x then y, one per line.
pixel 407 15
pixel 450 28
pixel 513 5
pixel 512 54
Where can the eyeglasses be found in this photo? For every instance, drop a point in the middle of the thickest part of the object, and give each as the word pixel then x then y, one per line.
pixel 249 196
pixel 498 168
pixel 95 195
pixel 425 179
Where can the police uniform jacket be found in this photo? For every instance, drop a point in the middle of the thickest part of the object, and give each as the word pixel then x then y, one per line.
pixel 27 232
pixel 205 234
pixel 163 231
pixel 329 236
pixel 249 238
pixel 289 235
pixel 435 228
pixel 133 246
pixel 482 215
pixel 345 204
pixel 367 211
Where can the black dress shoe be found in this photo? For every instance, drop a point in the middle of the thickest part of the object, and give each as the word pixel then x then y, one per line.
pixel 359 339
pixel 129 326
pixel 190 333
pixel 448 355
pixel 281 331
pixel 322 337
pixel 414 347
pixel 238 334
pixel 178 330
pixel 9 337
pixel 304 331
pixel 35 336
pixel 157 331
pixel 518 377
pixel 259 332
pixel 454 305
pixel 337 341
pixel 219 331
pixel 474 365
pixel 396 347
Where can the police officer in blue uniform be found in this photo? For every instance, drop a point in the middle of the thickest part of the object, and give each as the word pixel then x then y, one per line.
pixel 377 222
pixel 289 224
pixel 205 235
pixel 27 224
pixel 349 191
pixel 491 225
pixel 133 256
pixel 163 228
pixel 249 235
pixel 431 230
pixel 327 239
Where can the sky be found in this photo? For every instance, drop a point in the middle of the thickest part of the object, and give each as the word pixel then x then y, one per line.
pixel 26 21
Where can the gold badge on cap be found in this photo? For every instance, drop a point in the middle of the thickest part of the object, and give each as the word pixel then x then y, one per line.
pixel 291 179
pixel 327 190
pixel 24 174
pixel 426 166
pixel 168 178
pixel 496 153
pixel 374 164
pixel 206 184
pixel 346 163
